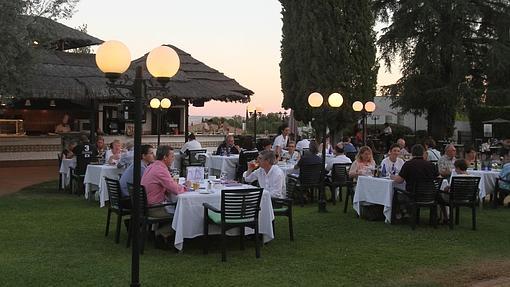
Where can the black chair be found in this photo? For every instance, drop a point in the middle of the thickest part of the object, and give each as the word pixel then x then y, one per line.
pixel 116 206
pixel 304 150
pixel 196 157
pixel 423 193
pixel 463 192
pixel 338 179
pixel 283 207
pixel 244 157
pixel 351 155
pixel 146 220
pixel 309 179
pixel 76 178
pixel 499 192
pixel 239 209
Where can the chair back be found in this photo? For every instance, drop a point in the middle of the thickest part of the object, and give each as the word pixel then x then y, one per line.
pixel 142 199
pixel 339 173
pixel 464 189
pixel 310 174
pixel 351 155
pixel 114 193
pixel 425 192
pixel 240 205
pixel 244 157
pixel 196 157
pixel 304 150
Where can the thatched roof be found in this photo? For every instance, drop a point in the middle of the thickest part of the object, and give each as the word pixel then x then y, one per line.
pixel 53 35
pixel 62 75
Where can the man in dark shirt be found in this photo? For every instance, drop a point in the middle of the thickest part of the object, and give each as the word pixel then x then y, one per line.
pixel 310 156
pixel 228 147
pixel 416 169
pixel 84 153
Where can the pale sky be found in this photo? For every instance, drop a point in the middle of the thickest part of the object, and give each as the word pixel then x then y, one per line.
pixel 239 38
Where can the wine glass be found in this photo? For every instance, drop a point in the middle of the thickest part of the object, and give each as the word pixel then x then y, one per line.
pixel 223 176
pixel 206 172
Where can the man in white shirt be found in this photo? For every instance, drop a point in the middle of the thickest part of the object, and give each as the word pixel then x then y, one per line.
pixel 402 144
pixel 291 155
pixel 392 164
pixel 339 157
pixel 280 142
pixel 191 144
pixel 303 143
pixel 269 175
pixel 446 162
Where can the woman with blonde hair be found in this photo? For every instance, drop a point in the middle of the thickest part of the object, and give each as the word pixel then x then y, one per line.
pixel 364 163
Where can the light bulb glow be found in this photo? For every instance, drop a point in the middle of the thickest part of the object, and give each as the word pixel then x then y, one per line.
pixel 155 103
pixel 335 100
pixel 315 100
pixel 357 106
pixel 113 57
pixel 163 62
pixel 165 103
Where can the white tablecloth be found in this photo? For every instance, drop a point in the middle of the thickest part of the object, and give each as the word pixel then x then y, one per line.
pixel 220 163
pixel 376 191
pixel 64 170
pixel 487 181
pixel 95 175
pixel 188 219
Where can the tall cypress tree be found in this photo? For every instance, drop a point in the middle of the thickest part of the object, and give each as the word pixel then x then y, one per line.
pixel 327 46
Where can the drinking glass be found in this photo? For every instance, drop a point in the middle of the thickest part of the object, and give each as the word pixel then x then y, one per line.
pixel 206 172
pixel 223 176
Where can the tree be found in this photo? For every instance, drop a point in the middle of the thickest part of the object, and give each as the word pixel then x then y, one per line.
pixel 327 46
pixel 444 47
pixel 17 42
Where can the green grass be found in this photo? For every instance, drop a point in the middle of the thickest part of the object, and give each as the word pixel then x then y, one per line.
pixel 53 239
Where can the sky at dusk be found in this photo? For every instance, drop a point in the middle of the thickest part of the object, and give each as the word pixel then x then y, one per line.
pixel 239 38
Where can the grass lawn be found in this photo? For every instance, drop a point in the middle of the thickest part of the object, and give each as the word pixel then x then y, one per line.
pixel 53 239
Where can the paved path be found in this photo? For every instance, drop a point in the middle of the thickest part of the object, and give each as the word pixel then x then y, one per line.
pixel 12 179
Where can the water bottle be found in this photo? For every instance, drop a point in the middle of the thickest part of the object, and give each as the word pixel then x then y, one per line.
pixel 228 151
pixel 393 171
pixel 383 171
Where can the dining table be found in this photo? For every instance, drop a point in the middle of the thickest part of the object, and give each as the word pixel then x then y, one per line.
pixel 188 221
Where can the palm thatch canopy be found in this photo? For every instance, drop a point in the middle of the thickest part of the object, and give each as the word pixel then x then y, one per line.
pixel 75 77
pixel 53 35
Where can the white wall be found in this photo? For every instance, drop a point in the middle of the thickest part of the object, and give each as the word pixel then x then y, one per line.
pixel 388 114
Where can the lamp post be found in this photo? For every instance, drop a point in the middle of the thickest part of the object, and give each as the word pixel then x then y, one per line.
pixel 315 100
pixel 366 109
pixel 255 111
pixel 375 118
pixel 159 106
pixel 113 58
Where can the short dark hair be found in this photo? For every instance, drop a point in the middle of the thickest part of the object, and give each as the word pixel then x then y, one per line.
pixel 392 146
pixel 191 136
pixel 163 151
pixel 145 149
pixel 470 149
pixel 313 147
pixel 417 150
pixel 461 164
pixel 430 143
pixel 339 148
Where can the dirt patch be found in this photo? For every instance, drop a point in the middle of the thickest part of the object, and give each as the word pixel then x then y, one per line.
pixel 13 179
pixel 486 273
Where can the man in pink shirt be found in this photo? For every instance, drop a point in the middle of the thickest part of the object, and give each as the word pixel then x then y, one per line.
pixel 159 183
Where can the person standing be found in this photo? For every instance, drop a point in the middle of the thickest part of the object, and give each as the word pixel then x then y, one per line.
pixel 280 142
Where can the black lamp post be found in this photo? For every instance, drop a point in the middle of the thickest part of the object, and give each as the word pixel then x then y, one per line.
pixel 255 111
pixel 315 100
pixel 159 107
pixel 113 58
pixel 366 109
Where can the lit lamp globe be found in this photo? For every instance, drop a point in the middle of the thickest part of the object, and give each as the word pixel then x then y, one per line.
pixel 163 63
pixel 357 106
pixel 250 109
pixel 259 109
pixel 113 58
pixel 165 103
pixel 335 100
pixel 370 107
pixel 155 103
pixel 315 100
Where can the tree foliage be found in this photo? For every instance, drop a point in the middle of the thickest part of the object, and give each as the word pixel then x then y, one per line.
pixel 327 46
pixel 449 52
pixel 16 43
